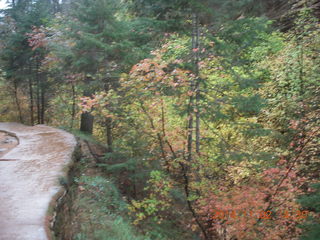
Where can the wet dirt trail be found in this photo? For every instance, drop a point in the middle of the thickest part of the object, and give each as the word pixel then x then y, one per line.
pixel 30 166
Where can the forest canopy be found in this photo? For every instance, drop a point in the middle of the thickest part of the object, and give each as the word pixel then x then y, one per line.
pixel 208 110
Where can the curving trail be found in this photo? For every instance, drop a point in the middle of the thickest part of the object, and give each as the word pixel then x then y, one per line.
pixel 29 174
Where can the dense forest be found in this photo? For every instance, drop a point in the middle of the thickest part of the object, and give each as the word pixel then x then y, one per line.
pixel 208 110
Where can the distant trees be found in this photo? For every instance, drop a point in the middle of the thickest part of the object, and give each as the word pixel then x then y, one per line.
pixel 105 44
pixel 21 63
pixel 247 161
pixel 202 107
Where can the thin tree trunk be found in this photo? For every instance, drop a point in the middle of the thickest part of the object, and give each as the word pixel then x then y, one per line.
pixel 301 74
pixel 17 100
pixel 31 102
pixel 108 122
pixel 197 120
pixel 38 94
pixel 194 88
pixel 43 99
pixel 190 128
pixel 73 114
pixel 163 154
pixel 86 124
pixel 189 202
pixel 109 133
pixel 163 123
pixel 56 6
pixel 196 42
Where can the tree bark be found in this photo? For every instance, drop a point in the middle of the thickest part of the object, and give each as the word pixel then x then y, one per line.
pixel 17 100
pixel 301 72
pixel 73 114
pixel 192 108
pixel 31 102
pixel 86 124
pixel 109 133
pixel 189 202
pixel 196 45
pixel 43 98
pixel 38 93
pixel 109 121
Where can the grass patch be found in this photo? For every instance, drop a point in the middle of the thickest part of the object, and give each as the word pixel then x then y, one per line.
pixel 102 211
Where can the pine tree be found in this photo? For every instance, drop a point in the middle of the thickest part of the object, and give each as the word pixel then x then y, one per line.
pixel 19 61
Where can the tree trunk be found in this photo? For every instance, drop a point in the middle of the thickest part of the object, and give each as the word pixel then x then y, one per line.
pixel 17 100
pixel 192 108
pixel 109 134
pixel 31 102
pixel 38 94
pixel 43 99
pixel 108 121
pixel 86 124
pixel 196 45
pixel 73 114
pixel 56 6
pixel 301 72
pixel 160 139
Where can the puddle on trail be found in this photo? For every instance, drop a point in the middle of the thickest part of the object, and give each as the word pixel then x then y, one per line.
pixel 7 142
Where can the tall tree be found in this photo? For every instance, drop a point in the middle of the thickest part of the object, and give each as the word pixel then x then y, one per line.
pixel 20 61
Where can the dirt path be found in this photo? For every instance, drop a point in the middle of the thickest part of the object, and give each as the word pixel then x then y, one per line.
pixel 29 174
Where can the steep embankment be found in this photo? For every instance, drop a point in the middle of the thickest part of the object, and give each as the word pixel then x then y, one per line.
pixel 93 207
pixel 284 12
pixel 29 175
